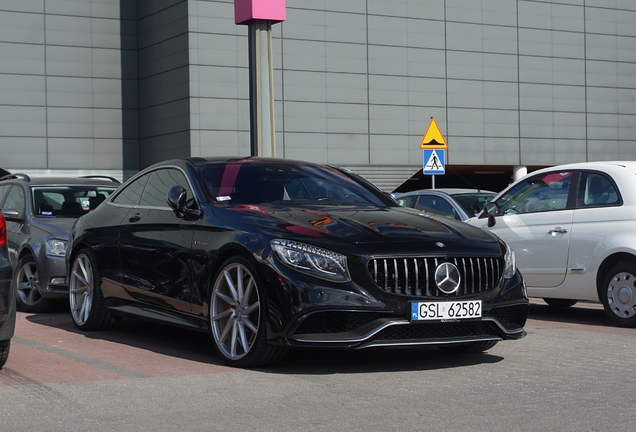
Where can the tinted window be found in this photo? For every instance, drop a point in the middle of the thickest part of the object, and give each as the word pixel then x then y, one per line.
pixel 3 191
pixel 406 201
pixel 596 189
pixel 473 203
pixel 67 200
pixel 436 205
pixel 131 194
pixel 545 192
pixel 161 181
pixel 266 182
pixel 15 200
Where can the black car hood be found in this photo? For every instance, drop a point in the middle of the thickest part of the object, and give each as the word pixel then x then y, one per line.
pixel 387 227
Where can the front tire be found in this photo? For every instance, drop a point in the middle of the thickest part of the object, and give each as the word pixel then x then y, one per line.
pixel 618 294
pixel 238 312
pixel 85 296
pixel 28 286
pixel 5 345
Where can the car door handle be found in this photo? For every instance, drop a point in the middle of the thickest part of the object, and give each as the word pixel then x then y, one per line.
pixel 135 218
pixel 557 230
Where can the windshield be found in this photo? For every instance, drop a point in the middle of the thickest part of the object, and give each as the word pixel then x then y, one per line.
pixel 473 203
pixel 67 201
pixel 253 182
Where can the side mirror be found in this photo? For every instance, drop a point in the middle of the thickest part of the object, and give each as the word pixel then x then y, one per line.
pixel 13 215
pixel 177 198
pixel 491 209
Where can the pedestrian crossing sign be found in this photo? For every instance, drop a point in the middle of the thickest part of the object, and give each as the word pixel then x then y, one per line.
pixel 434 161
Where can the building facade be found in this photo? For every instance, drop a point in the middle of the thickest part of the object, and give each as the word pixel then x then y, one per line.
pixel 112 86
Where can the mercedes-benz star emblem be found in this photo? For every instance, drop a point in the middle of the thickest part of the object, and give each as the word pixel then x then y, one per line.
pixel 447 278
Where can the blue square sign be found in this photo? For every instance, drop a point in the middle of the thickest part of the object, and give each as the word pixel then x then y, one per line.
pixel 434 161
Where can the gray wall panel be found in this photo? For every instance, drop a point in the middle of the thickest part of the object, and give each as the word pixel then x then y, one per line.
pixel 36 6
pixel 27 153
pixel 22 121
pixel 21 27
pixel 21 59
pixel 22 90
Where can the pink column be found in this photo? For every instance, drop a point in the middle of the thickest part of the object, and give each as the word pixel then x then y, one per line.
pixel 269 10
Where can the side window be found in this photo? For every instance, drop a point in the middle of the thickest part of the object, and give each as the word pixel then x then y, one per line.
pixel 3 191
pixel 435 205
pixel 546 192
pixel 161 181
pixel 405 201
pixel 131 194
pixel 596 189
pixel 15 200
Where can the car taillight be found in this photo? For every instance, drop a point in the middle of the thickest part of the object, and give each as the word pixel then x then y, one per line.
pixel 3 230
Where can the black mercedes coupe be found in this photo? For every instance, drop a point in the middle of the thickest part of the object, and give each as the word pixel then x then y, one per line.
pixel 272 254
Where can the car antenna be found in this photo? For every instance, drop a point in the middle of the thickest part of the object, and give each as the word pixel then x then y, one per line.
pixel 460 176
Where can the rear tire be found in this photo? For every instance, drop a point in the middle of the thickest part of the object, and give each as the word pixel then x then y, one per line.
pixel 28 286
pixel 469 348
pixel 238 315
pixel 85 296
pixel 618 294
pixel 560 303
pixel 5 345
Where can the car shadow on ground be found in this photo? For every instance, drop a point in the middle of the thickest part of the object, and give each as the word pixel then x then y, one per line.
pixel 197 346
pixel 581 313
pixel 374 360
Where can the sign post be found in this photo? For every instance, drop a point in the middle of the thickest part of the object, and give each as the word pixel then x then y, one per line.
pixel 434 147
pixel 259 15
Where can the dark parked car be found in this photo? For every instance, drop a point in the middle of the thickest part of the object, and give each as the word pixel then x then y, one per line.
pixel 460 204
pixel 7 296
pixel 39 214
pixel 270 254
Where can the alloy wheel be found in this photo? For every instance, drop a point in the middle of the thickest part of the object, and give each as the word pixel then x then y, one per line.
pixel 28 283
pixel 81 289
pixel 235 311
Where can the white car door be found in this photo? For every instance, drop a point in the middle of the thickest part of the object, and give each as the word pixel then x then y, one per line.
pixel 535 219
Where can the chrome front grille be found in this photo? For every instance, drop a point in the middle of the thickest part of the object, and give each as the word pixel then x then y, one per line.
pixel 416 276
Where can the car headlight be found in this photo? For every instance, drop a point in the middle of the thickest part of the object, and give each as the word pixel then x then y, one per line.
pixel 56 247
pixel 312 260
pixel 510 263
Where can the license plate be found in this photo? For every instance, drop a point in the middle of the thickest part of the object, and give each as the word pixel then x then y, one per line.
pixel 455 310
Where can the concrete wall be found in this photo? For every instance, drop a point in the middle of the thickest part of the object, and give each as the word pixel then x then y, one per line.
pixel 117 85
pixel 68 85
pixel 163 55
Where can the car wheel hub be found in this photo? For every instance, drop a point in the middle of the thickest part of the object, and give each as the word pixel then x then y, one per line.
pixel 28 284
pixel 620 295
pixel 235 312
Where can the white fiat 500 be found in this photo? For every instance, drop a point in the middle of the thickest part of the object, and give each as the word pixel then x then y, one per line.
pixel 573 230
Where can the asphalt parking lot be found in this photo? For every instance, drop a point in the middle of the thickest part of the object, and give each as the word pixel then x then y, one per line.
pixel 573 371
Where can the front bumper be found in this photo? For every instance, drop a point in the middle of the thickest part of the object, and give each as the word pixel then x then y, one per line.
pixel 357 330
pixel 52 276
pixel 383 321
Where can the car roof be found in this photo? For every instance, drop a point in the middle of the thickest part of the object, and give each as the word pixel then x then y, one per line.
pixel 59 181
pixel 597 165
pixel 447 191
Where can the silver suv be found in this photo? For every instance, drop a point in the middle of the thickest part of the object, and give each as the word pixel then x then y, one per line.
pixel 39 214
